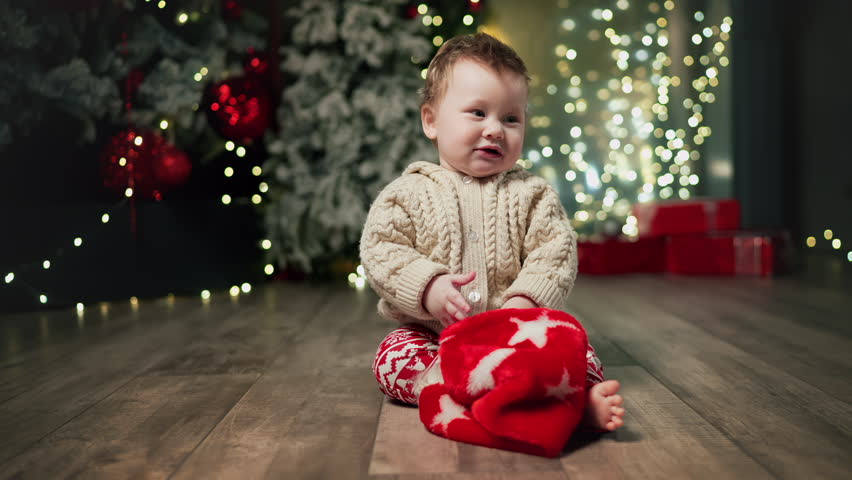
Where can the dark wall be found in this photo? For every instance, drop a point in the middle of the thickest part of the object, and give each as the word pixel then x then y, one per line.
pixel 791 107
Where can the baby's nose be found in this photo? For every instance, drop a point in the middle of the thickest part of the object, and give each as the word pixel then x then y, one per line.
pixel 493 130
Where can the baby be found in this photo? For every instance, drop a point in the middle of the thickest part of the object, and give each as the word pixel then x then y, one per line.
pixel 473 233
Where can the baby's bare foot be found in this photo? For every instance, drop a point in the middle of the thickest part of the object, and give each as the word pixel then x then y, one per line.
pixel 603 406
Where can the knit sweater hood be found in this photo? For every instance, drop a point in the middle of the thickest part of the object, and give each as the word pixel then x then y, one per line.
pixel 509 228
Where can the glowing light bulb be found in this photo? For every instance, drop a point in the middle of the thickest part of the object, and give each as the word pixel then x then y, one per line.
pixel 9 277
pixel 46 264
pixel 266 244
pixel 811 241
pixel 256 199
pixel 42 298
pixel 164 124
pixel 234 291
pixel 828 234
pixel 241 151
pixel 205 294
pixel 268 269
pixel 78 241
pixel 128 192
pixel 229 146
pixel 80 307
pixel 467 20
pixel 182 18
pixel 226 199
pixel 256 171
pixel 836 243
pixel 229 171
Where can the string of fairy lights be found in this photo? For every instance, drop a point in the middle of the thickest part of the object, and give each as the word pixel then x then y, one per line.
pixel 17 274
pixel 616 94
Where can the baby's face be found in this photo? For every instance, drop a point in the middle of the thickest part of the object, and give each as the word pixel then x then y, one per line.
pixel 478 123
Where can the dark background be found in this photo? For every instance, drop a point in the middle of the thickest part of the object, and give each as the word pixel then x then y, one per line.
pixel 791 102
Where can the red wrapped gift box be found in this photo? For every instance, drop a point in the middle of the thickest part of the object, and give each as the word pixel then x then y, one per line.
pixel 621 255
pixel 729 253
pixel 674 217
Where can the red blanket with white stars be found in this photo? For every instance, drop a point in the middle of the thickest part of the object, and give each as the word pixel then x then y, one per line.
pixel 514 379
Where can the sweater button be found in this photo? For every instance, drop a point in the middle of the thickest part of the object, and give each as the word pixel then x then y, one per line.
pixel 473 236
pixel 467 179
pixel 474 296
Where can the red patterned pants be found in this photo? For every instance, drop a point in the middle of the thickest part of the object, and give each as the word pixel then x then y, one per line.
pixel 408 351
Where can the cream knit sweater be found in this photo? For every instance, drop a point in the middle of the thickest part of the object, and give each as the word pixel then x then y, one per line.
pixel 510 229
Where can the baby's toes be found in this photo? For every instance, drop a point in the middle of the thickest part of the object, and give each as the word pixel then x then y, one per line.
pixel 617 412
pixel 615 400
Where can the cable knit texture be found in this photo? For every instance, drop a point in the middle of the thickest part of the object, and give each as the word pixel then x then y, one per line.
pixel 510 229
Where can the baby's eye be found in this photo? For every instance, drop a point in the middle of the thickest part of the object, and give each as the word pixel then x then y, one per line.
pixel 478 113
pixel 512 119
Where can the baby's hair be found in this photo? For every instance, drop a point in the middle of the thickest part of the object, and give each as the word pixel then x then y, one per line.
pixel 481 48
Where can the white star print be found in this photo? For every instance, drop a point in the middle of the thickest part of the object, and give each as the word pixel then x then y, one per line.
pixel 482 377
pixel 536 330
pixel 449 411
pixel 564 388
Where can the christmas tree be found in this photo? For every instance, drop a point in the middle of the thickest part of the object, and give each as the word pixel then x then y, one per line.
pixel 350 119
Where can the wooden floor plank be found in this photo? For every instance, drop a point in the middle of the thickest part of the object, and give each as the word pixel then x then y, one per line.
pixel 811 354
pixel 313 413
pixel 213 338
pixel 662 438
pixel 404 446
pixel 475 476
pixel 145 429
pixel 791 429
pixel 55 338
pixel 59 391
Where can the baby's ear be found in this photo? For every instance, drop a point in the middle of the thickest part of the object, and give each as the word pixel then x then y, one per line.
pixel 428 119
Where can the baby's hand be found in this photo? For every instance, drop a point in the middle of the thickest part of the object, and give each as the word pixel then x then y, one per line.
pixel 444 301
pixel 519 301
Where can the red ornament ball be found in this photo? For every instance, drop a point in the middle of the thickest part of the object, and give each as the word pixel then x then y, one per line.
pixel 145 162
pixel 239 108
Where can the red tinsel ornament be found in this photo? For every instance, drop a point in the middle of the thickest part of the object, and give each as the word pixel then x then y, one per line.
pixel 239 108
pixel 232 9
pixel 256 63
pixel 143 161
pixel 475 6
pixel 411 11
pixel 130 84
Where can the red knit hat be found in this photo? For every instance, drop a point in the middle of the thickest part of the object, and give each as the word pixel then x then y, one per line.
pixel 513 379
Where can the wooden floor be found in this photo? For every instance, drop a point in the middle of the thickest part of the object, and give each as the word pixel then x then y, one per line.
pixel 723 378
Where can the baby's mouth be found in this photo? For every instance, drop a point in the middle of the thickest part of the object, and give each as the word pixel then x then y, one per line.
pixel 490 151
